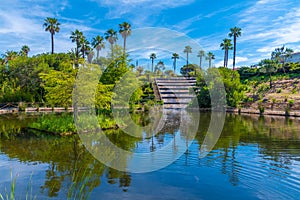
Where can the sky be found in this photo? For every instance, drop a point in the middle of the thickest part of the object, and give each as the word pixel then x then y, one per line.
pixel 162 27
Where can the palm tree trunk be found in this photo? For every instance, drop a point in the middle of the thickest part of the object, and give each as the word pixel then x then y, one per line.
pixel 200 62
pixel 174 64
pixel 187 59
pixel 98 53
pixel 234 51
pixel 52 43
pixel 124 45
pixel 209 64
pixel 112 50
pixel 152 64
pixel 224 58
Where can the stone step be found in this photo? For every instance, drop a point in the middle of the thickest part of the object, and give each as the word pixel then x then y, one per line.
pixel 176 101
pixel 179 96
pixel 175 86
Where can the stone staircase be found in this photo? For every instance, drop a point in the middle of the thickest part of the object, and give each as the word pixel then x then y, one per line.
pixel 175 92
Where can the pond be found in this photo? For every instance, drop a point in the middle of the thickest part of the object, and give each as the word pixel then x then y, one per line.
pixel 254 158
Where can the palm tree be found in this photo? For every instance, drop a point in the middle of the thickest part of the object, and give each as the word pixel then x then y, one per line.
pixel 90 56
pixel 175 56
pixel 76 37
pixel 25 50
pixel 226 46
pixel 187 50
pixel 268 66
pixel 160 67
pixel 210 57
pixel 85 48
pixel 125 31
pixel 111 37
pixel 10 55
pixel 98 44
pixel 52 25
pixel 201 54
pixel 235 33
pixel 152 57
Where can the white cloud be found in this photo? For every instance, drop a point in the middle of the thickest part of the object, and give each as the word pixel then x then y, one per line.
pixel 23 25
pixel 139 11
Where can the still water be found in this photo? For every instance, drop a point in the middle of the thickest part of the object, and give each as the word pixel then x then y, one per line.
pixel 254 158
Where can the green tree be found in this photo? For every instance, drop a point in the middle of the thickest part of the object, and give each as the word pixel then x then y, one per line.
pixel 280 55
pixel 175 56
pixel 24 50
pixel 152 57
pixel 235 32
pixel 160 67
pixel 268 66
pixel 226 46
pixel 125 31
pixel 111 37
pixel 201 54
pixel 187 50
pixel 210 57
pixel 98 44
pixel 188 70
pixel 53 26
pixel 58 86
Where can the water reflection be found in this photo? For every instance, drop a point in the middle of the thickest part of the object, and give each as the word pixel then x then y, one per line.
pixel 258 156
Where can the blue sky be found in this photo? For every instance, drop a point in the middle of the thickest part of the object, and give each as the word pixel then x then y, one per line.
pixel 266 25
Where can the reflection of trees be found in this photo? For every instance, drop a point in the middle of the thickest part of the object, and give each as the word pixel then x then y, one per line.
pixel 277 139
pixel 71 168
pixel 13 124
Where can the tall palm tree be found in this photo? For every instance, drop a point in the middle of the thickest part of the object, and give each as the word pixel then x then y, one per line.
pixel 85 46
pixel 25 50
pixel 175 56
pixel 201 54
pixel 52 25
pixel 210 57
pixel 111 37
pixel 226 46
pixel 152 57
pixel 90 56
pixel 76 36
pixel 235 32
pixel 125 31
pixel 187 50
pixel 98 44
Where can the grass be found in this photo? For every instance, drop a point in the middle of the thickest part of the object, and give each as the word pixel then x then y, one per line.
pixel 11 194
pixel 64 124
